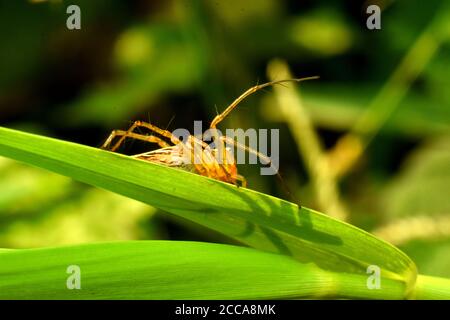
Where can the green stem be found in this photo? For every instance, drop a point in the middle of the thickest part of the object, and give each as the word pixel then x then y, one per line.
pixel 355 287
pixel 431 288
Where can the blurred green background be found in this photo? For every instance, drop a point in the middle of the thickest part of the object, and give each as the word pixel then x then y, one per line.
pixel 369 142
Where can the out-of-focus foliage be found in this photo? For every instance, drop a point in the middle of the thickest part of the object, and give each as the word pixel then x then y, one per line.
pixel 426 169
pixel 433 257
pixel 173 62
pixel 38 208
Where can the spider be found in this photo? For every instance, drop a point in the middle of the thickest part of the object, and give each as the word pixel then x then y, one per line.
pixel 195 155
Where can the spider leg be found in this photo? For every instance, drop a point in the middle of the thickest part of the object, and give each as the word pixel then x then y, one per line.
pixel 207 164
pixel 135 125
pixel 247 93
pixel 265 159
pixel 226 162
pixel 242 180
pixel 127 134
pixel 162 132
pixel 108 141
pixel 260 155
pixel 194 148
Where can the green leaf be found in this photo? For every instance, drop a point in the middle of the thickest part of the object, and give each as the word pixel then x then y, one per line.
pixel 256 219
pixel 172 270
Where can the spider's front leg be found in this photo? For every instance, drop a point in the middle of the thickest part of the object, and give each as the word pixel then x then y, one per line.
pixel 130 134
pixel 127 134
pixel 110 138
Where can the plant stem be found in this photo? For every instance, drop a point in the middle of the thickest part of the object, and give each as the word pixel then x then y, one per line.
pixel 431 288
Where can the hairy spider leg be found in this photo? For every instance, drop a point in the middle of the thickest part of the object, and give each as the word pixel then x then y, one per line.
pixel 143 137
pixel 260 155
pixel 247 93
pixel 129 132
pixel 265 159
pixel 195 148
